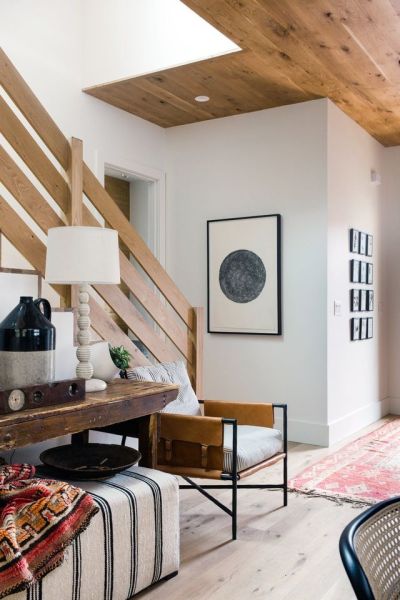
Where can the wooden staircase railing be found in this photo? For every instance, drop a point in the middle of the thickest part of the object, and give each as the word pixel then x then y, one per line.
pixel 180 331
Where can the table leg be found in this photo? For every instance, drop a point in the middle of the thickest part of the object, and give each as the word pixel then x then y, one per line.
pixel 80 439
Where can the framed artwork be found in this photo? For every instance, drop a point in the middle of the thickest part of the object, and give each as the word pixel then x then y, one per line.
pixel 370 328
pixel 244 275
pixel 370 273
pixel 370 245
pixel 354 240
pixel 354 300
pixel 355 271
pixel 363 272
pixel 363 243
pixel 370 300
pixel 363 329
pixel 355 329
pixel 363 300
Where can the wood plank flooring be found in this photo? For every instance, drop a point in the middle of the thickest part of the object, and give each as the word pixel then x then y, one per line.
pixel 281 554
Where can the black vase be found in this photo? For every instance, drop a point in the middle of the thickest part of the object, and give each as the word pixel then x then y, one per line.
pixel 27 344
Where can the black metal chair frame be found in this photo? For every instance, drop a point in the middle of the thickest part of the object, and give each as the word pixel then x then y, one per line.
pixel 351 563
pixel 235 476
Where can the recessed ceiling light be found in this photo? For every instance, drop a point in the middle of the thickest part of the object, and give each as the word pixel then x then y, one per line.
pixel 202 98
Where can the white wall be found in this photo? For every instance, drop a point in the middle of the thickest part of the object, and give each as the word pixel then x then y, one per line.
pixel 44 39
pixel 272 161
pixel 357 371
pixel 391 223
pixel 144 36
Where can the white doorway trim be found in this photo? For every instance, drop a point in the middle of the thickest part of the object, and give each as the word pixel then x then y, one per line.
pixel 157 208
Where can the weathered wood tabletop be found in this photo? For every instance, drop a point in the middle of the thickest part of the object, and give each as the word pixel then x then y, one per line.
pixel 123 400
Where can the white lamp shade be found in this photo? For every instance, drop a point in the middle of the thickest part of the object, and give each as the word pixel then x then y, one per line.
pixel 78 255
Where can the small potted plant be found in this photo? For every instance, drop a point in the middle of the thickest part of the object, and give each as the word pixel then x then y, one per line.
pixel 108 361
pixel 121 359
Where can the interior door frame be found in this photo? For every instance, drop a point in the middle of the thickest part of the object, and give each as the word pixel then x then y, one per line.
pixel 157 208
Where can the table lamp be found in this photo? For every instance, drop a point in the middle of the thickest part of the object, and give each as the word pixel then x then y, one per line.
pixel 82 256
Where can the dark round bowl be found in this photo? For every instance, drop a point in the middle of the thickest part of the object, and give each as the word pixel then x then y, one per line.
pixel 89 461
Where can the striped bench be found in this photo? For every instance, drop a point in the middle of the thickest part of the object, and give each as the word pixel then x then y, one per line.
pixel 131 543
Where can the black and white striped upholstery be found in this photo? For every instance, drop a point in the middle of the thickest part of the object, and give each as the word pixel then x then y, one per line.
pixel 186 402
pixel 254 445
pixel 132 542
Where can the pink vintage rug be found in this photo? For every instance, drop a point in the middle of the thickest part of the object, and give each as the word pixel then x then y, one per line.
pixel 363 472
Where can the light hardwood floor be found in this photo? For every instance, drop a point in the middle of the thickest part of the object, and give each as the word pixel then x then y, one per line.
pixel 281 553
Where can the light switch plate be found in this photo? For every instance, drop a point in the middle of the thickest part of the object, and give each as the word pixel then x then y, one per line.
pixel 337 308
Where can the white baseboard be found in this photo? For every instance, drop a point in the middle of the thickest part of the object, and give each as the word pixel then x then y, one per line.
pixel 305 432
pixel 357 419
pixel 394 406
pixel 320 434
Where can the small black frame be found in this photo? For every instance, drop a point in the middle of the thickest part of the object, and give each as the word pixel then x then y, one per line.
pixel 354 241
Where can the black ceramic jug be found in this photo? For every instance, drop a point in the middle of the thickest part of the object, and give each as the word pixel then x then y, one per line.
pixel 27 344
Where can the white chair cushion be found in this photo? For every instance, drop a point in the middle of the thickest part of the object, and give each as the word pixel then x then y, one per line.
pixel 174 372
pixel 254 445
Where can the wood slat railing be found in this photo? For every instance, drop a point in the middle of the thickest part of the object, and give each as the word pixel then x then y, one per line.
pixel 183 327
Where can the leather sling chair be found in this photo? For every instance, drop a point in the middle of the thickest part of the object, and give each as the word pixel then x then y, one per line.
pixel 214 446
pixel 228 442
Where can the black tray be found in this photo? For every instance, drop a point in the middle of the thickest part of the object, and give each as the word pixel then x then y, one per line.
pixel 89 461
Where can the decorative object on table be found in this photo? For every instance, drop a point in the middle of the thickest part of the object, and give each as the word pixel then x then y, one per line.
pixel 37 396
pixel 354 241
pixel 27 344
pixel 104 366
pixel 358 472
pixel 370 273
pixel 40 518
pixel 95 385
pixel 370 300
pixel 90 461
pixel 363 329
pixel 363 272
pixel 355 271
pixel 82 255
pixel 244 275
pixel 363 243
pixel 121 357
pixel 354 300
pixel 355 329
pixel 370 328
pixel 363 300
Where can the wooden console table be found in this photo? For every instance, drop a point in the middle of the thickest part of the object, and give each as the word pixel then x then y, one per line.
pixel 122 401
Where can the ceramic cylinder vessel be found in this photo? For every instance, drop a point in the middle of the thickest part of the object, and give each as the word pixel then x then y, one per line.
pixel 103 365
pixel 27 345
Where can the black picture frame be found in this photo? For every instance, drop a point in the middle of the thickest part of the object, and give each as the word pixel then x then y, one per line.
pixel 363 300
pixel 370 273
pixel 363 272
pixel 355 329
pixel 354 241
pixel 355 271
pixel 363 243
pixel 354 300
pixel 363 329
pixel 370 245
pixel 370 328
pixel 370 300
pixel 278 251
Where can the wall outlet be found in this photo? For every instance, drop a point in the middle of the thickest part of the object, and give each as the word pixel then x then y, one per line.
pixel 337 308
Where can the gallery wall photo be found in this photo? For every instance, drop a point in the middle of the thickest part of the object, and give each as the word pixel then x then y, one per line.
pixel 244 275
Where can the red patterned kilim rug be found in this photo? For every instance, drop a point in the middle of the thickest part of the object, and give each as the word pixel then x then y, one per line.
pixel 38 519
pixel 365 471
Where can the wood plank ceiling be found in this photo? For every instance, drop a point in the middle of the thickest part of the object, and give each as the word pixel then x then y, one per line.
pixel 292 51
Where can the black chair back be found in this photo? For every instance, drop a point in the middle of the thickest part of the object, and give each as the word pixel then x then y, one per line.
pixel 370 551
